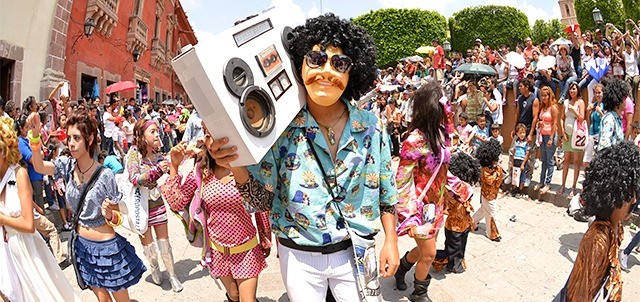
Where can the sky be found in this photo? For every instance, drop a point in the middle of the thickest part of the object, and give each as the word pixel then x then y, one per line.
pixel 209 17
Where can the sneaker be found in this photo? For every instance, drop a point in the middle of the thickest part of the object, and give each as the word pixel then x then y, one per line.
pixel 54 207
pixel 623 260
pixel 67 227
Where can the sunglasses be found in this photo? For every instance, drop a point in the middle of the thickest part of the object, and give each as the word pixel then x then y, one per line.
pixel 317 59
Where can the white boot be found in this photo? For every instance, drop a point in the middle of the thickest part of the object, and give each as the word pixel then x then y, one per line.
pixel 167 258
pixel 151 253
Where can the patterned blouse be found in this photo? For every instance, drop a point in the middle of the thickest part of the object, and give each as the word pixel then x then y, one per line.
pixel 228 223
pixel 142 172
pixel 491 179
pixel 417 164
pixel 597 258
pixel 288 181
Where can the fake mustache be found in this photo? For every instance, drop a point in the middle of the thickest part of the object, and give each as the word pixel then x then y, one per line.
pixel 333 80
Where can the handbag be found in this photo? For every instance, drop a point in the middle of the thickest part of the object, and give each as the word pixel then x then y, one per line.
pixel 579 136
pixel 134 204
pixel 364 248
pixel 71 255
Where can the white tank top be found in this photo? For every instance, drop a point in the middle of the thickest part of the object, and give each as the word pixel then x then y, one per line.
pixel 630 63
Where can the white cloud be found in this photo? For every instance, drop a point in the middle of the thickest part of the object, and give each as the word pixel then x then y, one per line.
pixel 533 12
pixel 438 5
pixel 190 5
pixel 314 11
pixel 298 15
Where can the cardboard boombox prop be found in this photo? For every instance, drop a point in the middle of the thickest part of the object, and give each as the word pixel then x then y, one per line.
pixel 246 88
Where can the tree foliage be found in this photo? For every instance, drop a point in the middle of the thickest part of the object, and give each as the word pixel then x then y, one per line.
pixel 398 32
pixel 542 30
pixel 612 12
pixel 493 24
pixel 632 9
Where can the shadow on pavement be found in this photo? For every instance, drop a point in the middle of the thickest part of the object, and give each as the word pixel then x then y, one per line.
pixel 184 266
pixel 570 242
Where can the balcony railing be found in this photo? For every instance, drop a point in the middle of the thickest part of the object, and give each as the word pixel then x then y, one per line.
pixel 137 35
pixel 158 53
pixel 104 13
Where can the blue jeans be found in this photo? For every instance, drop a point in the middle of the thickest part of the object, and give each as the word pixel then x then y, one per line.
pixel 564 86
pixel 634 242
pixel 546 156
pixel 543 80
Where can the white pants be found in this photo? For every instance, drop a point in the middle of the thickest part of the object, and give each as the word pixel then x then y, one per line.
pixel 307 275
pixel 487 211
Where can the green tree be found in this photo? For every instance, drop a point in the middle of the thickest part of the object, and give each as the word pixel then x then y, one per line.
pixel 398 32
pixel 542 31
pixel 612 12
pixel 632 9
pixel 493 24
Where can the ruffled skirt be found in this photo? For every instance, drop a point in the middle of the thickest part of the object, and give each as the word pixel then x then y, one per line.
pixel 111 264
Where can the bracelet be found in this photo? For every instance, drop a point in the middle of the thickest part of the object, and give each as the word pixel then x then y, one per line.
pixel 33 139
pixel 117 216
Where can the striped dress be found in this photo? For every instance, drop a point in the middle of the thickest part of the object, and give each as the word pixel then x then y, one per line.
pixel 145 172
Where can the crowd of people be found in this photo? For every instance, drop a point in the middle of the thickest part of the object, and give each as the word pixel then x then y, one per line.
pixel 324 192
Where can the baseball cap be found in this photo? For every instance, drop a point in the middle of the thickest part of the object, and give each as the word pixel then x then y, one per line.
pixel 478 40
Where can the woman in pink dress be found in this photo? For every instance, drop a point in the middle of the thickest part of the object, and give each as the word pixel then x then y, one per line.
pixel 237 255
pixel 424 161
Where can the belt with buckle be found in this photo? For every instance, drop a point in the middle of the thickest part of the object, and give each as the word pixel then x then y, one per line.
pixel 235 249
pixel 324 249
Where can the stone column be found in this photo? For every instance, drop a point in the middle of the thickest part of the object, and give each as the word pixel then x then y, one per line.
pixel 54 68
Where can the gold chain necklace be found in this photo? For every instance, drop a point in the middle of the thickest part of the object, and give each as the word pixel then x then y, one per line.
pixel 330 133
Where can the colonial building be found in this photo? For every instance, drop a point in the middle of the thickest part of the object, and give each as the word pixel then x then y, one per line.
pixel 132 40
pixel 44 42
pixel 568 11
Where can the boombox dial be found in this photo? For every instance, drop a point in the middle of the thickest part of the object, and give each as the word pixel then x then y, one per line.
pixel 237 76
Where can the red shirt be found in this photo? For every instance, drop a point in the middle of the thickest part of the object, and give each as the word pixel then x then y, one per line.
pixel 438 58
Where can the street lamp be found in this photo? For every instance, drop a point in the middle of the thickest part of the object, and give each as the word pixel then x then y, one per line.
pixel 597 16
pixel 446 45
pixel 89 25
pixel 136 55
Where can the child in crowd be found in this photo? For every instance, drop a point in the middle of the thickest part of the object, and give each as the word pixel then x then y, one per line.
pixel 118 137
pixel 519 155
pixel 636 133
pixel 111 162
pixel 464 172
pixel 480 133
pixel 464 130
pixel 495 133
pixel 488 154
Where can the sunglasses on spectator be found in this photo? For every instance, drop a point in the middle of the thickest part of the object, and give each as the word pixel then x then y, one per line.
pixel 340 62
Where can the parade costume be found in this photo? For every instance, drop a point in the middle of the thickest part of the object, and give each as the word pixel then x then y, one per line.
pixel 111 264
pixel 457 226
pixel 491 180
pixel 145 173
pixel 234 247
pixel 29 270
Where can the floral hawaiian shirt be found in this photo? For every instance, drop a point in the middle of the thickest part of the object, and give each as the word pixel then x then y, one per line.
pixel 361 178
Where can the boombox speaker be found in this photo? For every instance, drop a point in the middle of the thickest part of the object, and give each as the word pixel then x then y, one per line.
pixel 246 88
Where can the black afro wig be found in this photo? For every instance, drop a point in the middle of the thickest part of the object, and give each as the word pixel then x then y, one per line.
pixel 465 167
pixel 330 30
pixel 488 153
pixel 615 92
pixel 611 180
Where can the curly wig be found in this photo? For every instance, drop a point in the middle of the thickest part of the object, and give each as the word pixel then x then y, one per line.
pixel 355 42
pixel 465 167
pixel 611 179
pixel 614 93
pixel 9 141
pixel 488 153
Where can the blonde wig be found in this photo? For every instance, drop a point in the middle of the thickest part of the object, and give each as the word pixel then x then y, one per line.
pixel 9 141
